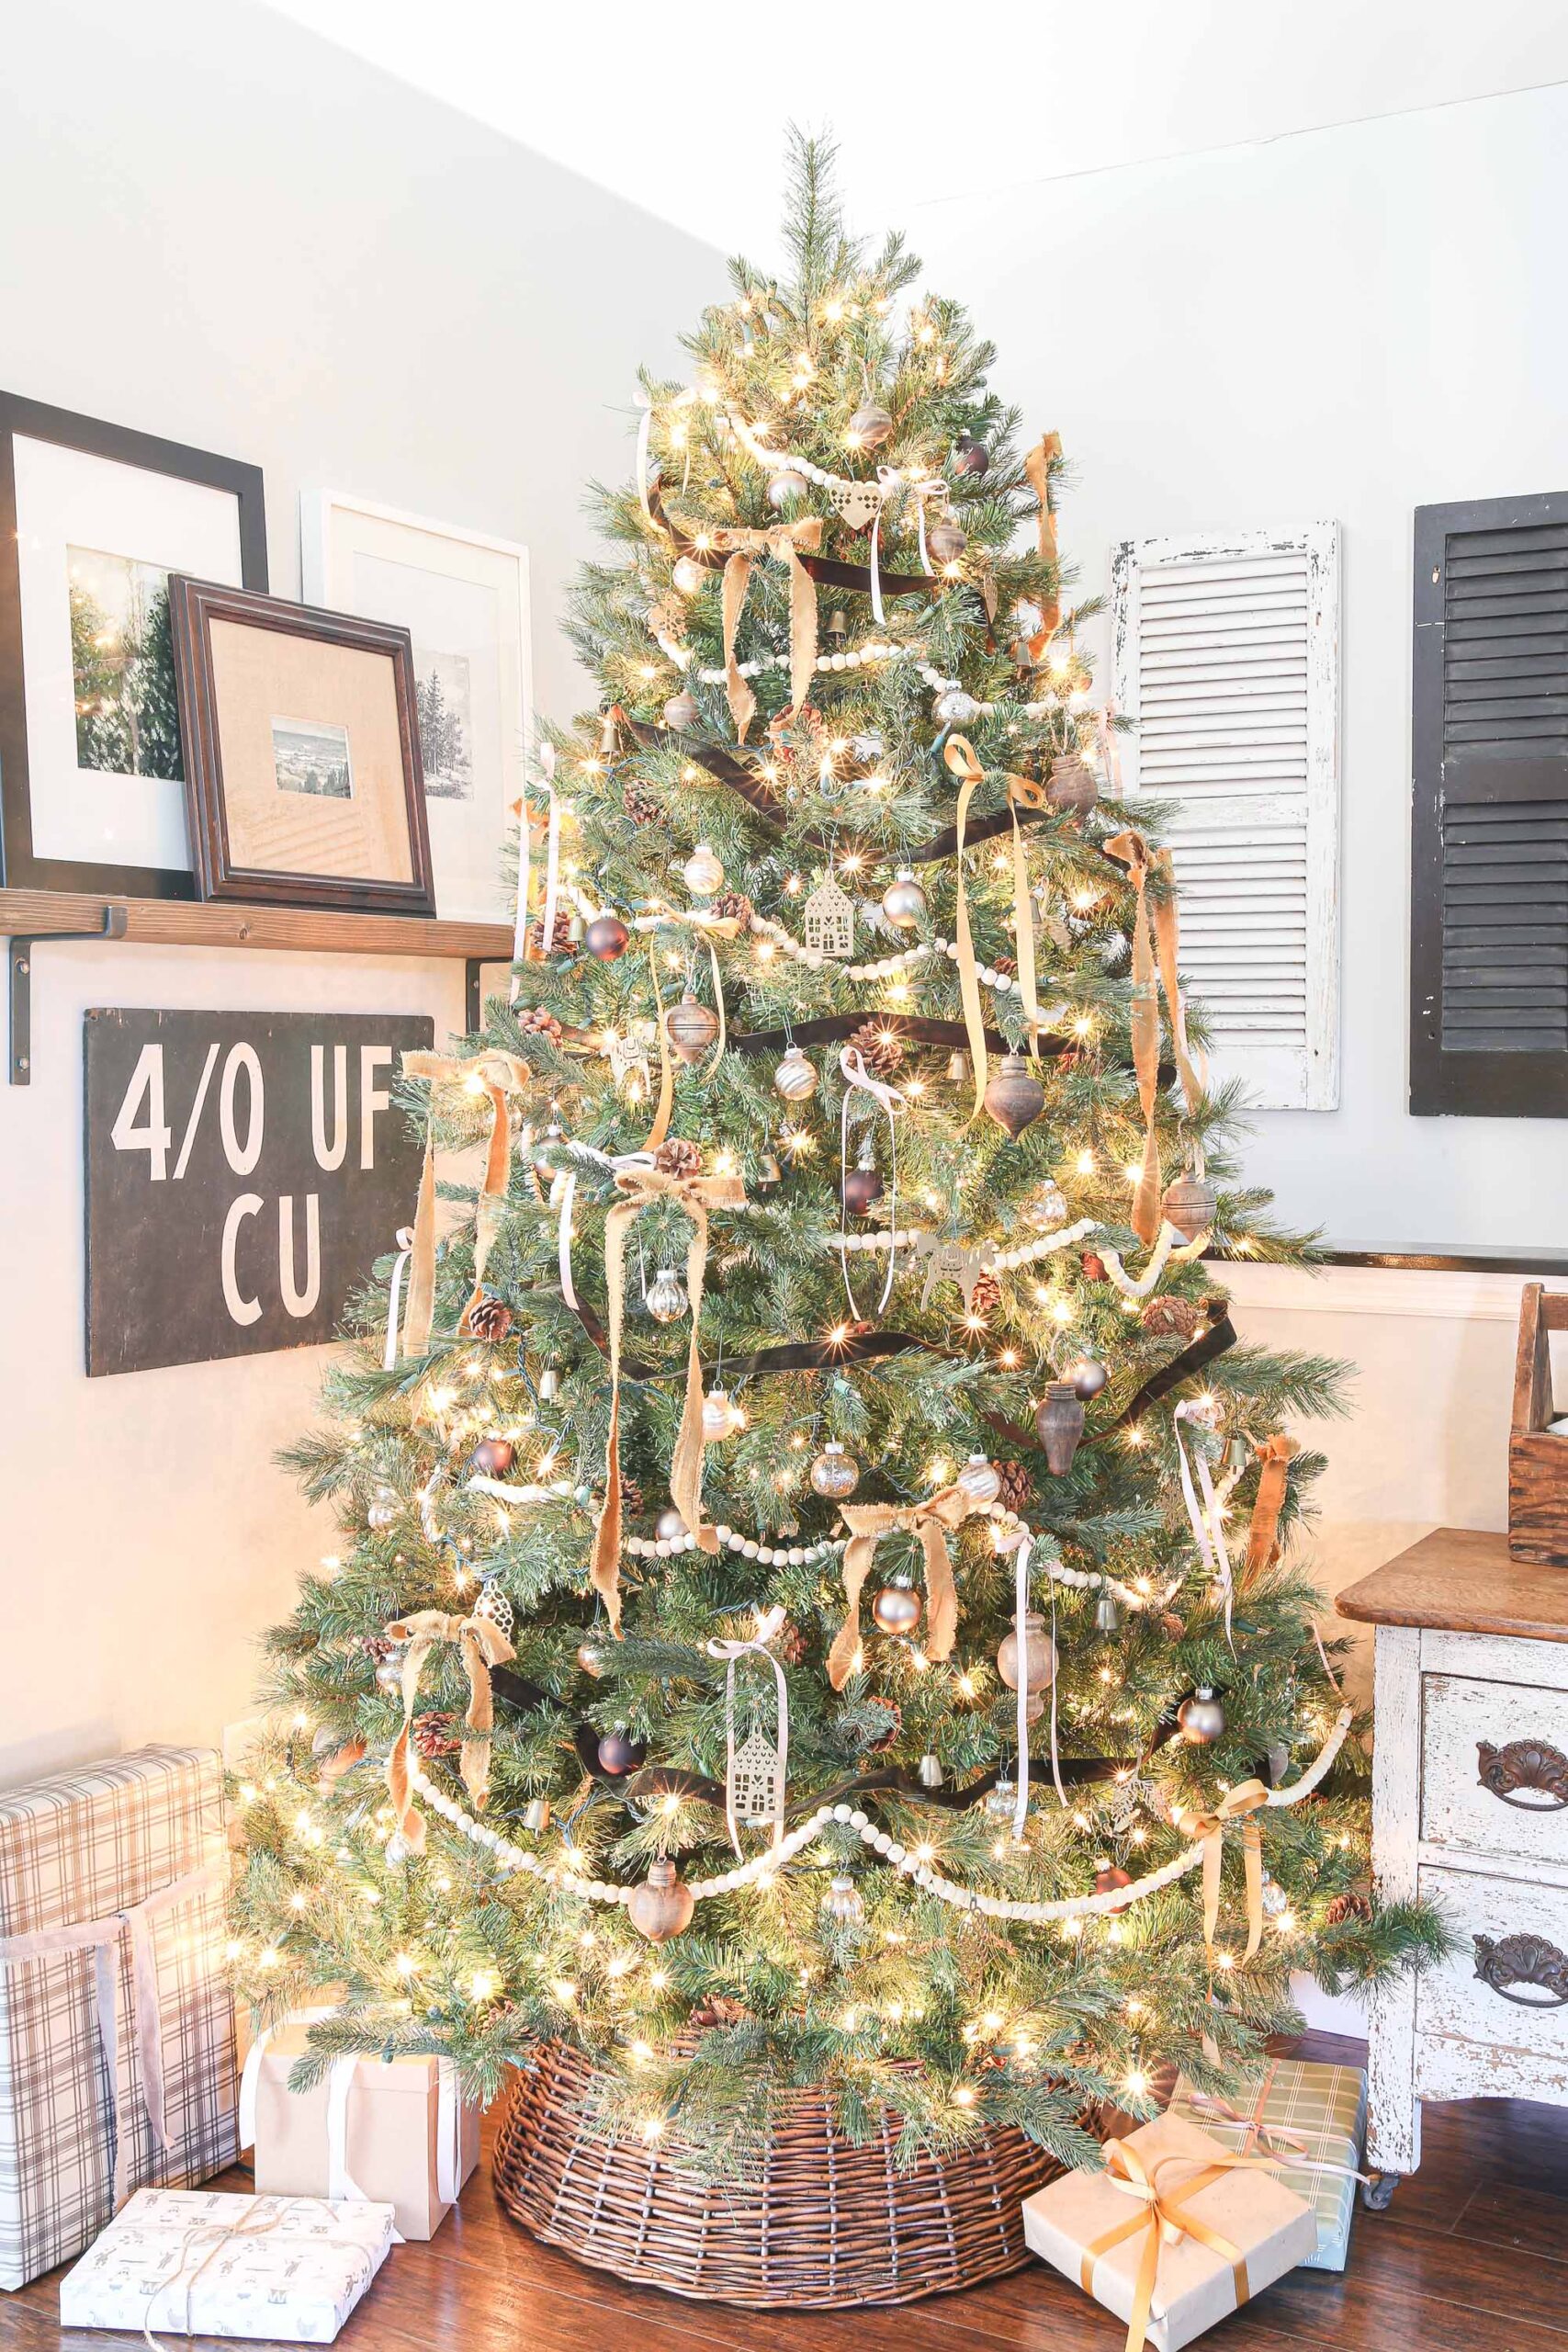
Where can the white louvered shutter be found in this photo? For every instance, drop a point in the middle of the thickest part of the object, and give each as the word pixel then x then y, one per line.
pixel 1226 654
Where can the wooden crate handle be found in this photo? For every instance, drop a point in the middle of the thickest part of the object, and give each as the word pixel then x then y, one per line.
pixel 1541 1311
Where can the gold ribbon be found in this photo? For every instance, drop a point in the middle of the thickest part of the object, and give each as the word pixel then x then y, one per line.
pixel 1136 852
pixel 1275 1453
pixel 695 1195
pixel 740 547
pixel 1021 794
pixel 1239 1803
pixel 499 1074
pixel 930 1521
pixel 1164 2220
pixel 482 1644
pixel 1037 466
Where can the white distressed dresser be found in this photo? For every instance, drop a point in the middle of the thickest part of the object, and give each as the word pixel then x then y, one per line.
pixel 1470 1810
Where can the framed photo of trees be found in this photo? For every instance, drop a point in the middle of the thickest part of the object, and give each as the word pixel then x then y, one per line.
pixel 462 596
pixel 93 521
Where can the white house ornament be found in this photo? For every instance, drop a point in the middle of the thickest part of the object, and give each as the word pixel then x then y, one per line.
pixel 756 1783
pixel 829 917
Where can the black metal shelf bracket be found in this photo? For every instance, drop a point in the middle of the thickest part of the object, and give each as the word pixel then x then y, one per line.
pixel 115 923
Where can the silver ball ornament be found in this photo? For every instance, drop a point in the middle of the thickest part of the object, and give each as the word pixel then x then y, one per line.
pixel 721 1417
pixel 904 901
pixel 1202 1717
pixel 667 1300
pixel 896 1609
pixel 669 1527
pixel 980 1479
pixel 870 426
pixel 702 873
pixel 787 489
pixel 794 1077
pixel 955 708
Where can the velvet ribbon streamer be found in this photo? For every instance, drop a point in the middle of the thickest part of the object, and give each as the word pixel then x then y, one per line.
pixel 1037 468
pixel 1164 2219
pixel 740 547
pixel 1208 1527
pixel 1134 853
pixel 856 1075
pixel 1239 1803
pixel 482 1644
pixel 731 1653
pixel 1276 1455
pixel 499 1074
pixel 930 1523
pixel 694 1194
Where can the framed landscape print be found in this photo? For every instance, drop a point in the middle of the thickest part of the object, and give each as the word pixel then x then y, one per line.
pixel 94 520
pixel 464 599
pixel 301 753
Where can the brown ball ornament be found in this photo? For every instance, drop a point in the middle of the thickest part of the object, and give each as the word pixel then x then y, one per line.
pixel 620 1754
pixel 1015 1096
pixel 662 1905
pixel 970 457
pixel 681 712
pixel 492 1457
pixel 896 1609
pixel 1108 1876
pixel 861 1187
pixel 946 542
pixel 606 938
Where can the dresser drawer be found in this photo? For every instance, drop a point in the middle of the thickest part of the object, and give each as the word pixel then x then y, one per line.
pixel 1521 2003
pixel 1494 1767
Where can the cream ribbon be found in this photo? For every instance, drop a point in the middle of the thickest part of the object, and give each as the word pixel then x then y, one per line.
pixel 202 2244
pixel 400 1267
pixel 102 1938
pixel 784 542
pixel 1207 1829
pixel 856 1075
pixel 732 1652
pixel 520 949
pixel 929 486
pixel 482 1644
pixel 644 399
pixel 1208 1526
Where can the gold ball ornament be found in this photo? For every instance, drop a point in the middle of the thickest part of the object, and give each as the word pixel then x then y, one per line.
pixel 835 1475
pixel 904 901
pixel 688 575
pixel 721 1417
pixel 1014 1097
pixel 796 1079
pixel 662 1905
pixel 591 1658
pixel 1039 1654
pixel 896 1609
pixel 870 426
pixel 702 873
pixel 691 1028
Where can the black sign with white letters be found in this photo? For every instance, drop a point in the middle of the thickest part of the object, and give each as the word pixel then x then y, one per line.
pixel 243 1172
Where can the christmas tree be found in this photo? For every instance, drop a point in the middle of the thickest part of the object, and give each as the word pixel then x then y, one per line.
pixel 818 1600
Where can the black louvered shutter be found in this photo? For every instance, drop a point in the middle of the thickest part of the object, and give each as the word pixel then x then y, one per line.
pixel 1489 867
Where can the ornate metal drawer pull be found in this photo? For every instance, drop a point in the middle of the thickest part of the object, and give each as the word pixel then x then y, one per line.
pixel 1525 1764
pixel 1524 1960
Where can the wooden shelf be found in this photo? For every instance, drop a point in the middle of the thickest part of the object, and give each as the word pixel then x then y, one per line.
pixel 180 922
pixel 1463 1581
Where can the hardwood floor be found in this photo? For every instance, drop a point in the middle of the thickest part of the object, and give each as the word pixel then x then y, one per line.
pixel 1472 2257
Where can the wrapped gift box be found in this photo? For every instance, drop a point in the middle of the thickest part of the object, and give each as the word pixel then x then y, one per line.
pixel 1266 2226
pixel 198 2263
pixel 393 2131
pixel 116 2022
pixel 1314 2119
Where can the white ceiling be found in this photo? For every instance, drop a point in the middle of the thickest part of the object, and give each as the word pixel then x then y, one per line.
pixel 683 110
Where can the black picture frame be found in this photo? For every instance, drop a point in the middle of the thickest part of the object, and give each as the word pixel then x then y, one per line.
pixel 193 606
pixel 20 868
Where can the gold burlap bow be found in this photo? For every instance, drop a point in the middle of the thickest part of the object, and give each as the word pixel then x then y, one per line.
pixel 1037 466
pixel 1136 852
pixel 1276 1455
pixel 695 1195
pixel 785 542
pixel 961 759
pixel 499 1075
pixel 1164 2218
pixel 1240 1804
pixel 482 1644
pixel 931 1521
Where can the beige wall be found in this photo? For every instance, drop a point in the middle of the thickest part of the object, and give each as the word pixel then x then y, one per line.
pixel 218 229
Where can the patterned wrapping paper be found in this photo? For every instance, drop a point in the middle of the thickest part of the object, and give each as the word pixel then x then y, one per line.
pixel 76 1853
pixel 192 2263
pixel 1324 2106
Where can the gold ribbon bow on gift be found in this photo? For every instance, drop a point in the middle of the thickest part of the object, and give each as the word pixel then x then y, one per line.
pixel 930 1521
pixel 482 1644
pixel 1164 2219
pixel 959 757
pixel 695 1195
pixel 740 547
pixel 498 1075
pixel 1135 854
pixel 1239 1803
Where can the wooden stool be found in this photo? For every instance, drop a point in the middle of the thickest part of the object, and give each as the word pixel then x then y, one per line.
pixel 1469 1811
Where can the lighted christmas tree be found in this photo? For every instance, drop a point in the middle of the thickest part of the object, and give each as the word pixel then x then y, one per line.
pixel 822 1446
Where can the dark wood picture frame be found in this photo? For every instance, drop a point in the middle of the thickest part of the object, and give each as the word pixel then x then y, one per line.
pixel 20 868
pixel 193 606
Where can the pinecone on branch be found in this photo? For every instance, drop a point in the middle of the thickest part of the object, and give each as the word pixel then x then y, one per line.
pixel 561 943
pixel 1006 965
pixel 1015 1492
pixel 631 1495
pixel 435 1734
pixel 986 1295
pixel 734 906
pixel 789 1644
pixel 540 1022
pixel 718 2009
pixel 490 1318
pixel 1177 1318
pixel 1353 1906
pixel 678 1157
pixel 881 1048
pixel 889 1738
pixel 378 1646
pixel 640 805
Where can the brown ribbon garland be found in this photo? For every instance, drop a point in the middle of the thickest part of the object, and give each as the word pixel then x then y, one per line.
pixel 1133 852
pixel 482 1644
pixel 1276 1455
pixel 740 547
pixel 499 1074
pixel 695 1195
pixel 930 1521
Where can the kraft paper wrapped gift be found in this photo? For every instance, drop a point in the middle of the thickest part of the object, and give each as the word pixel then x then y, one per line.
pixel 1314 2119
pixel 195 2262
pixel 1223 2229
pixel 117 2019
pixel 391 2130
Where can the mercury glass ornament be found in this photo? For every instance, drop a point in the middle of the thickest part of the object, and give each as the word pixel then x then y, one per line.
pixel 955 708
pixel 591 1658
pixel 1273 1898
pixel 1058 1422
pixel 980 1479
pixel 1088 1377
pixel 928 1771
pixel 842 1901
pixel 720 1418
pixel 896 1609
pixel 691 1028
pixel 1015 1097
pixel 688 575
pixel 787 488
pixel 1002 1802
pixel 795 1078
pixel 702 873
pixel 537 1815
pixel 835 1473
pixel 670 1525
pixel 681 712
pixel 904 901
pixel 662 1905
pixel 606 938
pixel 494 1603
pixel 870 426
pixel 1049 1209
pixel 1202 1717
pixel 1039 1650
pixel 1189 1206
pixel 946 542
pixel 397 1849
pixel 665 1300
pixel 382 1509
pixel 769 1175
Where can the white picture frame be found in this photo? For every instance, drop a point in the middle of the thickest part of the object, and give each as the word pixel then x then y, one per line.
pixel 463 595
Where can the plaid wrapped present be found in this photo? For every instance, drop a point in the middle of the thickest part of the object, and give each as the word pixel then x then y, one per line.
pixel 116 2022
pixel 1314 2119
